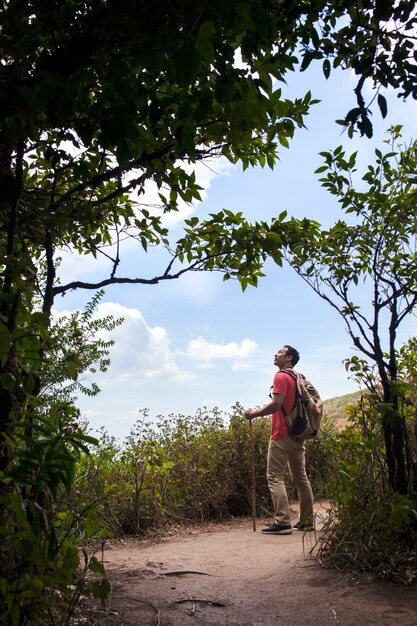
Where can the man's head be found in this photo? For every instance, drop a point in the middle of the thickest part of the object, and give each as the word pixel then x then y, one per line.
pixel 287 356
pixel 293 353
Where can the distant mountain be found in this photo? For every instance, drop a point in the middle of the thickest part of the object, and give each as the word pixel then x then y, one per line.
pixel 335 408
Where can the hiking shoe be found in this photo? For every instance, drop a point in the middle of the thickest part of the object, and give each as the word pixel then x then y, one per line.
pixel 303 526
pixel 277 529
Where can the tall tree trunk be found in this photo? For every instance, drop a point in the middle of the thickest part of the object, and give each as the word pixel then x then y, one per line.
pixel 10 392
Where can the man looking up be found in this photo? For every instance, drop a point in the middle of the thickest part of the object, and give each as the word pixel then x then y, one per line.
pixel 284 449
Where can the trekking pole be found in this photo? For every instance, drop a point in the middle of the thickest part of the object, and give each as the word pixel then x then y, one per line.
pixel 252 454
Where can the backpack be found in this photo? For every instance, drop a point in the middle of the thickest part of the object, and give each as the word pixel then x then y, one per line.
pixel 304 420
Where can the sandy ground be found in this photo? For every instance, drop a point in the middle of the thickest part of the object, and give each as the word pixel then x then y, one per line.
pixel 229 575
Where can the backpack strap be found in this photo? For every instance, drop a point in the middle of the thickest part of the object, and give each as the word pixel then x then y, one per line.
pixel 291 373
pixel 295 377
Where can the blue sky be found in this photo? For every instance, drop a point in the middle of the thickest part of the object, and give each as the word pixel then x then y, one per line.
pixel 199 342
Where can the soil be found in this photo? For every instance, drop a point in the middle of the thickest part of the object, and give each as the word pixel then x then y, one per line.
pixel 226 574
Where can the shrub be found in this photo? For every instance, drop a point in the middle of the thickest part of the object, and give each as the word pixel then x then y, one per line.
pixel 41 576
pixel 371 528
pixel 183 468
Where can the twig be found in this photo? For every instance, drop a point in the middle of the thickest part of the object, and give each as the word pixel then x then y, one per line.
pixel 155 608
pixel 194 600
pixel 182 572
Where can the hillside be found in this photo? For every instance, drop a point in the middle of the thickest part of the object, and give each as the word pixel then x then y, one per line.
pixel 335 408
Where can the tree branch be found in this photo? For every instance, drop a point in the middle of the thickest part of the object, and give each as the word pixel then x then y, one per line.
pixel 113 280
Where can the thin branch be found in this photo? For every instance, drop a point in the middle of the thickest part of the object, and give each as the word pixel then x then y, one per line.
pixel 142 162
pixel 50 274
pixel 153 606
pixel 356 340
pixel 117 258
pixel 184 573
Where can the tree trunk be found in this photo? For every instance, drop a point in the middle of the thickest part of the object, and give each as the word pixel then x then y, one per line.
pixel 11 391
pixel 394 436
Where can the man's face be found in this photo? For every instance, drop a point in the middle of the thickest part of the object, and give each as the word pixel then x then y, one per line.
pixel 281 358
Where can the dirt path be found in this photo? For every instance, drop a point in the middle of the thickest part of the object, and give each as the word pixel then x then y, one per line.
pixel 228 575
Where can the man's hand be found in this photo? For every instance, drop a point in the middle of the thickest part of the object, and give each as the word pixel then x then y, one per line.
pixel 271 407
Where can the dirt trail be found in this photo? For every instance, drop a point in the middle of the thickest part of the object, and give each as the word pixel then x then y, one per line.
pixel 228 575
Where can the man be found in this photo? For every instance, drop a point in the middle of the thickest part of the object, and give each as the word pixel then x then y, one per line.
pixel 283 450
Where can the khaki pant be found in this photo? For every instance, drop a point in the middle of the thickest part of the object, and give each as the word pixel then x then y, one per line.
pixel 281 453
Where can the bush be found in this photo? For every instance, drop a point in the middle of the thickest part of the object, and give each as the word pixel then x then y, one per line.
pixel 41 577
pixel 370 528
pixel 182 468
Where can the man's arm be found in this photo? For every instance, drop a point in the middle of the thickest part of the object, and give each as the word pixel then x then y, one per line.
pixel 271 407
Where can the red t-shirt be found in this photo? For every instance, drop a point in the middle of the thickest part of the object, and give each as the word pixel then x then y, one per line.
pixel 285 385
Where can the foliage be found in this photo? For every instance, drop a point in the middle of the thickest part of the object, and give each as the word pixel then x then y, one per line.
pixel 319 455
pixel 371 528
pixel 364 267
pixel 76 347
pixel 99 99
pixel 41 576
pixel 183 469
pixel 375 40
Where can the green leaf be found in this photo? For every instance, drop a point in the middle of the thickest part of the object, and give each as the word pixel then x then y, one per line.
pixel 353 115
pixel 382 103
pixel 101 590
pixel 366 127
pixel 96 567
pixel 7 381
pixel 307 59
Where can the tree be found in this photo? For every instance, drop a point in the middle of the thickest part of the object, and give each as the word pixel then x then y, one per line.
pixel 365 268
pixel 375 39
pixel 99 98
pixel 76 351
pixel 40 572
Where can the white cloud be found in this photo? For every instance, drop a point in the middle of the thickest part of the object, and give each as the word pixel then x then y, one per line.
pixel 75 266
pixel 141 352
pixel 205 366
pixel 202 350
pixel 240 366
pixel 205 172
pixel 89 414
